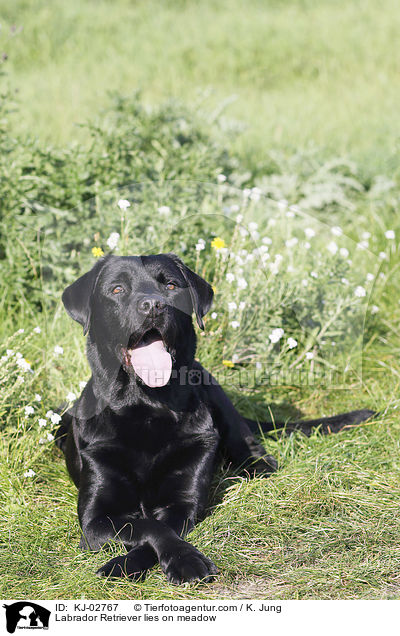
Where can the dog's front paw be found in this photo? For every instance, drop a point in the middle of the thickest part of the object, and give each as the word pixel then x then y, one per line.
pixel 261 466
pixel 184 564
pixel 133 565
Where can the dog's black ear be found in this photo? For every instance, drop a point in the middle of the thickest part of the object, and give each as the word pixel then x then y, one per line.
pixel 77 296
pixel 201 292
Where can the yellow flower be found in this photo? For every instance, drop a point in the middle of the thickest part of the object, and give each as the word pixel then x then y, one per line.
pixel 228 363
pixel 214 289
pixel 218 243
pixel 97 252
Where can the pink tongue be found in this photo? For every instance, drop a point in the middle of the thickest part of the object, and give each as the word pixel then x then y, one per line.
pixel 152 363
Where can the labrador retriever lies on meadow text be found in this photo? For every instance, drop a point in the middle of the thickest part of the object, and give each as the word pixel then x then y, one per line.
pixel 142 440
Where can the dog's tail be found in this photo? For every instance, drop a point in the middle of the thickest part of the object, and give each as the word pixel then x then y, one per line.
pixel 326 425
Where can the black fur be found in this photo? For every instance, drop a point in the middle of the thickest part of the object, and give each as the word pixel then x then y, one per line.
pixel 142 458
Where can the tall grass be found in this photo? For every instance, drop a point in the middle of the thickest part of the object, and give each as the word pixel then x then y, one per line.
pixel 294 73
pixel 304 322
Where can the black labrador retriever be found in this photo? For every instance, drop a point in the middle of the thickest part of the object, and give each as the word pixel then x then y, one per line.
pixel 142 440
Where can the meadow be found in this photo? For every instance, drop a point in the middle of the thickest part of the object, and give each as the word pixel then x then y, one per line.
pixel 259 142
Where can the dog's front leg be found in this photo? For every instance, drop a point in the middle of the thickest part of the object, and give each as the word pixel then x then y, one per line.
pixel 242 449
pixel 103 497
pixel 180 561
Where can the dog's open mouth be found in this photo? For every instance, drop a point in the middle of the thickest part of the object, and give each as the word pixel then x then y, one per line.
pixel 150 359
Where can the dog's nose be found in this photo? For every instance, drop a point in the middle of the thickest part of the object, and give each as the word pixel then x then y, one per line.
pixel 151 305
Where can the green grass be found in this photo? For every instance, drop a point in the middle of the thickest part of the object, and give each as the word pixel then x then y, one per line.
pixel 316 83
pixel 300 72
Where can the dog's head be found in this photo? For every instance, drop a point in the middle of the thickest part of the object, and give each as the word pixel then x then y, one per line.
pixel 137 312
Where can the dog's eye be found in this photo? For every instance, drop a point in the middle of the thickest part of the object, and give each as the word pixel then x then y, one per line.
pixel 171 285
pixel 117 289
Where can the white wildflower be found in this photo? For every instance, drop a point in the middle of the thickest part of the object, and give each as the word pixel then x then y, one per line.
pixel 223 253
pixel 382 256
pixel 276 335
pixel 29 410
pixel 232 306
pixel 374 309
pixel 221 178
pixel 71 397
pixel 332 247
pixel 309 355
pixel 123 204
pixel 359 292
pixel 29 473
pixel 242 283
pixel 112 240
pixel 37 330
pixel 366 235
pixel 266 240
pixel 246 193
pixel 50 437
pixel 309 232
pixel 242 305
pixel 20 331
pixel 292 343
pixel 313 274
pixel 307 245
pixel 291 242
pixel 304 282
pixel 42 422
pixel 200 245
pixel 255 194
pixel 235 324
pixel 164 210
pixel 49 414
pixel 235 208
pixel 390 234
pixel 214 315
pixel 23 364
pixel 38 398
pixel 370 277
pixel 362 245
pixel 336 230
pixel 58 350
pixel 230 277
pixel 344 252
pixel 253 226
pixel 82 384
pixel 239 218
pixel 274 267
pixel 345 281
pixel 55 418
